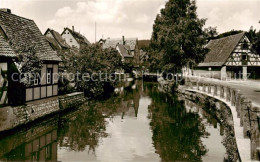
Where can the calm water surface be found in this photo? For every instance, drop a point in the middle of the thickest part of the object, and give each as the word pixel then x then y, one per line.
pixel 138 123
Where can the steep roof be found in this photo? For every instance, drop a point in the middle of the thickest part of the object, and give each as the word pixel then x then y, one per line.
pixel 5 49
pixel 24 33
pixel 220 50
pixel 124 50
pixel 53 43
pixel 58 38
pixel 112 43
pixel 79 37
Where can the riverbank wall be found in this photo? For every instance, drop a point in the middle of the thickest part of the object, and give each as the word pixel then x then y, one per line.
pixel 12 117
pixel 245 114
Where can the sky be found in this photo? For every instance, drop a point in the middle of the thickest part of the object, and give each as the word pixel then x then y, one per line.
pixel 131 18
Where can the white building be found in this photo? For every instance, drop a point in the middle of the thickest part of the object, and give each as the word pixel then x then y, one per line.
pixel 74 39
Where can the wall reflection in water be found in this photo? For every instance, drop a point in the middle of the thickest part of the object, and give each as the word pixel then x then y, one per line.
pixel 176 130
pixel 38 143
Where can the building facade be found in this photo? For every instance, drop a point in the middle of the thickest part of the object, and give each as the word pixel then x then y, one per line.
pixel 230 57
pixel 6 57
pixel 131 44
pixel 74 39
pixel 25 37
pixel 55 39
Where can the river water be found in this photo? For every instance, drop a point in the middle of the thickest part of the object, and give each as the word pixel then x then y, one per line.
pixel 138 123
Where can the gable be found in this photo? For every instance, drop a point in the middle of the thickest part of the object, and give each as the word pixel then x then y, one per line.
pixel 242 55
pixel 70 39
pixel 76 35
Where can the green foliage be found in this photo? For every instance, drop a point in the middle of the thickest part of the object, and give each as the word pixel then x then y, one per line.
pixel 178 37
pixel 254 38
pixel 93 60
pixel 28 63
pixel 211 32
pixel 232 32
pixel 64 86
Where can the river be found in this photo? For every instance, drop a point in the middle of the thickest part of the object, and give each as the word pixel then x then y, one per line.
pixel 137 123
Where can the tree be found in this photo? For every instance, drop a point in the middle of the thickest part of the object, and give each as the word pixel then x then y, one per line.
pixel 211 32
pixel 254 38
pixel 95 68
pixel 226 34
pixel 29 64
pixel 178 37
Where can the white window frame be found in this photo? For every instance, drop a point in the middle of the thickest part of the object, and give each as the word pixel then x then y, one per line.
pixel 48 76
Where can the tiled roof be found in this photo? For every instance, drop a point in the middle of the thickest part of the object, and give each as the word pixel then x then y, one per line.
pixel 79 37
pixel 58 38
pixel 5 49
pixel 220 50
pixel 24 32
pixel 112 43
pixel 124 50
pixel 53 43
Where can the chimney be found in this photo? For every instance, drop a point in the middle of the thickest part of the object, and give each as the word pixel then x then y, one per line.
pixel 7 10
pixel 73 28
pixel 123 40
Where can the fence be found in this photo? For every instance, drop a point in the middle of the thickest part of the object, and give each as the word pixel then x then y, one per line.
pixel 248 113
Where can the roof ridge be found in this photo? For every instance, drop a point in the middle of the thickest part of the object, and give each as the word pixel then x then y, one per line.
pixel 16 15
pixel 243 32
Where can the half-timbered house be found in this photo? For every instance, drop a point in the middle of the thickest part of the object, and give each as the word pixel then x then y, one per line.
pixel 230 57
pixel 23 33
pixel 6 57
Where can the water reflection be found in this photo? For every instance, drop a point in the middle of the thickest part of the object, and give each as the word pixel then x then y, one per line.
pixel 36 144
pixel 138 123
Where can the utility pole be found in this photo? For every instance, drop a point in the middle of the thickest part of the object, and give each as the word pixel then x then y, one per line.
pixel 95 32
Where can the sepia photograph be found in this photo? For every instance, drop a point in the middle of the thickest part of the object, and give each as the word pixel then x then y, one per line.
pixel 129 80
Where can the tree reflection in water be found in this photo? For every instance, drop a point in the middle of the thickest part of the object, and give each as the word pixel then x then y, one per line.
pixel 176 133
pixel 85 127
pixel 83 131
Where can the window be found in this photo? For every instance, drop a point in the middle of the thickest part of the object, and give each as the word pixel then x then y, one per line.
pixel 244 57
pixel 70 39
pixel 48 152
pixel 49 75
pixel 37 79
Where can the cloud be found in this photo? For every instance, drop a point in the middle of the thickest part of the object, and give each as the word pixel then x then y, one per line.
pixel 114 18
pixel 230 14
pixel 132 18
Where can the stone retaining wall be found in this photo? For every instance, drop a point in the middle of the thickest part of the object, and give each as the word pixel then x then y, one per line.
pixel 248 113
pixel 71 100
pixel 36 109
pixel 223 115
